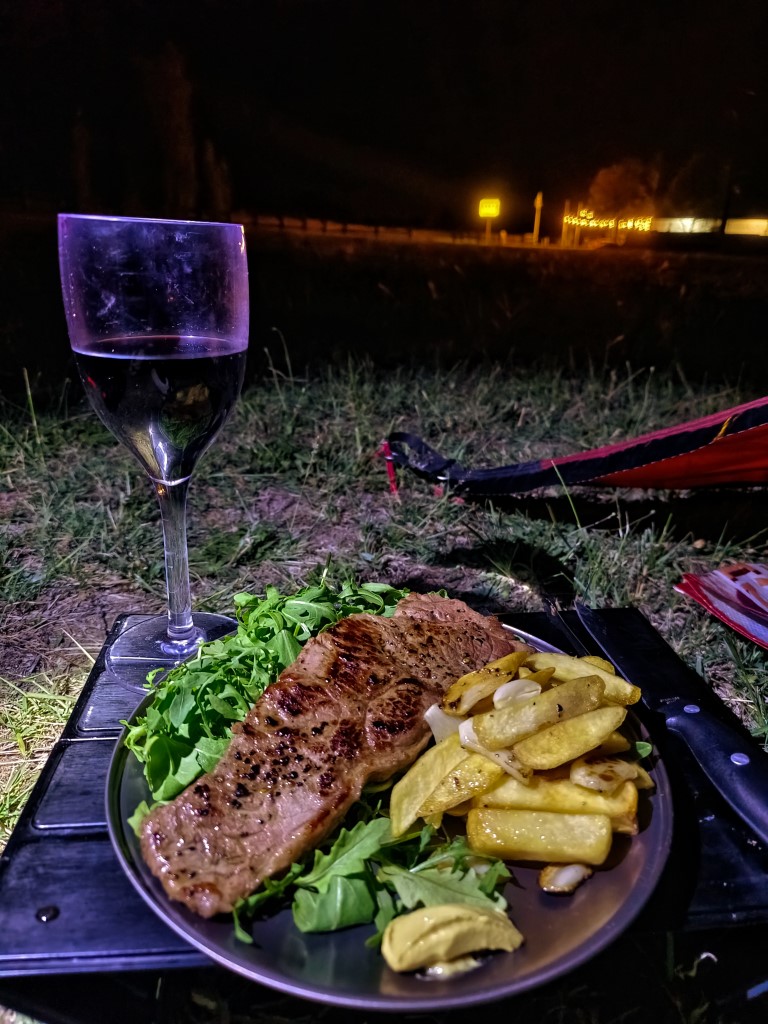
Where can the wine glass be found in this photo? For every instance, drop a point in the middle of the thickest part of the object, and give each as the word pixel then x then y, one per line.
pixel 157 312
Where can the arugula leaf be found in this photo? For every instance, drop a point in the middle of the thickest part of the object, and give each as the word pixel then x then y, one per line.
pixel 387 910
pixel 433 886
pixel 457 852
pixel 494 873
pixel 346 901
pixel 189 720
pixel 272 889
pixel 348 854
pixel 135 820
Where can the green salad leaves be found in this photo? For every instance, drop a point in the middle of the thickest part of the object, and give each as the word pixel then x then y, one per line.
pixel 364 876
pixel 187 725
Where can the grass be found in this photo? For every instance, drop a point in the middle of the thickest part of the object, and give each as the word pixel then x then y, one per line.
pixel 32 716
pixel 296 483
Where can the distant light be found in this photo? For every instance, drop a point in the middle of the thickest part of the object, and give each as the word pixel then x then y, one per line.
pixel 587 219
pixel 490 207
pixel 747 226
pixel 686 225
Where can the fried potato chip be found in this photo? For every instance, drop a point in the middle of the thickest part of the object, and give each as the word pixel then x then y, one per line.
pixel 569 739
pixel 539 835
pixel 424 775
pixel 617 690
pixel 541 677
pixel 470 777
pixel 474 686
pixel 565 797
pixel 460 810
pixel 616 743
pixel 644 780
pixel 506 726
pixel 601 663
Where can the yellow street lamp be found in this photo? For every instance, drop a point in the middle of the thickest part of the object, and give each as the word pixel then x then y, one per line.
pixel 489 209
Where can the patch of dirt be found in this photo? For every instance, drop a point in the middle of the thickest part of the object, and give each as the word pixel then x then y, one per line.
pixel 51 633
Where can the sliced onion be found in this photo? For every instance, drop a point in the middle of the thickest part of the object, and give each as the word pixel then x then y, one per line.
pixel 505 758
pixel 563 878
pixel 514 691
pixel 604 774
pixel 441 724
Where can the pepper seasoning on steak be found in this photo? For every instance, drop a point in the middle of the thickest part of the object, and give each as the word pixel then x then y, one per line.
pixel 348 711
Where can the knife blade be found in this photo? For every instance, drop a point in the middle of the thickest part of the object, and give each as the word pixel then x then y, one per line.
pixel 731 759
pixel 532 639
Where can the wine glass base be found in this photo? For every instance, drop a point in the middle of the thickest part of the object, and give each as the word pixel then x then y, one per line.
pixel 144 646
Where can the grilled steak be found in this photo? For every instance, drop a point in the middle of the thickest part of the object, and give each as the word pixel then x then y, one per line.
pixel 349 710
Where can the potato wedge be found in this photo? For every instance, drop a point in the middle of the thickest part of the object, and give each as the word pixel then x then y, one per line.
pixel 424 775
pixel 539 835
pixel 616 743
pixel 474 686
pixel 470 777
pixel 506 726
pixel 593 659
pixel 569 739
pixel 644 780
pixel 565 797
pixel 617 690
pixel 541 677
pixel 460 810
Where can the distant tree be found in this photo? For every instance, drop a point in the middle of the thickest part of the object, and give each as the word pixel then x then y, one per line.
pixel 697 188
pixel 624 189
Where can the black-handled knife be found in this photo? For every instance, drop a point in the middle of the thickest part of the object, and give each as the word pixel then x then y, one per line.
pixel 733 762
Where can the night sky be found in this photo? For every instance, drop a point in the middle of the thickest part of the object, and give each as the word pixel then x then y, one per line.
pixel 400 112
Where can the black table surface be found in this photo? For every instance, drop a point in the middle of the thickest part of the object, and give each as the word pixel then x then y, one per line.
pixel 75 936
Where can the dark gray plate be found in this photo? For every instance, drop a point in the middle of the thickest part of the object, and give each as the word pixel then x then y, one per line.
pixel 560 932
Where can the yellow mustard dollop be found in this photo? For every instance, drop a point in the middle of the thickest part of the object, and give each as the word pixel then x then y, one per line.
pixel 432 935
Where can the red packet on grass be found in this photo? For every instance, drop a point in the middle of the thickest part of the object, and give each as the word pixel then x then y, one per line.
pixel 737 594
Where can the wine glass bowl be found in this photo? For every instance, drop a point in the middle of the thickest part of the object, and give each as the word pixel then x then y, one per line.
pixel 157 313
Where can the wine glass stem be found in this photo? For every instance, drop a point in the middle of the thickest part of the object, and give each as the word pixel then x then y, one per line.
pixel 173 511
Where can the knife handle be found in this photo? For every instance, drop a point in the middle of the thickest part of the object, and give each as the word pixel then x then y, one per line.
pixel 740 774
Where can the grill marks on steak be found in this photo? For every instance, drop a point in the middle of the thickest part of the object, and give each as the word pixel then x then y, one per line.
pixel 348 711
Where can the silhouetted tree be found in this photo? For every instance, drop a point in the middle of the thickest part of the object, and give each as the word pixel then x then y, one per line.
pixel 697 188
pixel 625 189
